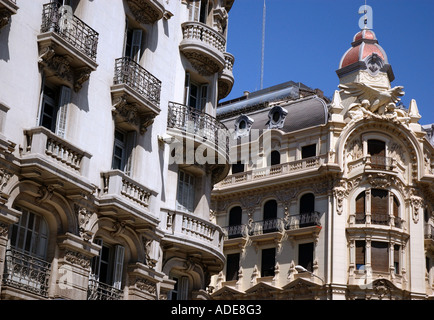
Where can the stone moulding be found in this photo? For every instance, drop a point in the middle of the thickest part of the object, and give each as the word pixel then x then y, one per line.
pixel 146 11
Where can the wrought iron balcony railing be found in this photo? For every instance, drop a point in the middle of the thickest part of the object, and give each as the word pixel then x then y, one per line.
pixel 74 31
pixel 27 273
pixel 378 219
pixel 236 231
pixel 266 226
pixel 202 126
pixel 141 81
pixel 303 220
pixel 381 162
pixel 101 291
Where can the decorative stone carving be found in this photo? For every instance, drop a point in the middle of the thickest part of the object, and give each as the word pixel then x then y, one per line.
pixel 4 230
pixel 204 65
pixel 129 112
pixel 355 150
pixel 77 258
pixel 45 193
pixel 373 100
pixel 146 286
pixel 83 216
pixel 143 12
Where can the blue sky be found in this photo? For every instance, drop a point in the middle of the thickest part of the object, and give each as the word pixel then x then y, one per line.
pixel 305 40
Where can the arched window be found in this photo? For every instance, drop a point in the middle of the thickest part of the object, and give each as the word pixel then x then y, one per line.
pixel 270 216
pixel 274 157
pixel 307 209
pixel 106 272
pixel 377 151
pixel 234 229
pixel 30 235
pixel 25 264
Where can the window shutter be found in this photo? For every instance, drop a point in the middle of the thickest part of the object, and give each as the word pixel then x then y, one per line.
pixel 203 96
pixel 65 98
pixel 118 266
pixel 396 253
pixel 360 255
pixel 380 256
pixel 187 88
pixel 136 45
pixel 194 10
pixel 379 206
pixel 395 207
pixel 96 262
pixel 130 143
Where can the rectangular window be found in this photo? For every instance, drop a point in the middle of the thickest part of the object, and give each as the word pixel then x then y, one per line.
pixel 308 151
pixel 185 195
pixel 268 262
pixel 305 255
pixel 107 267
pixel 232 266
pixel 124 143
pixel 180 289
pixel 196 93
pixel 133 47
pixel 360 255
pixel 396 254
pixel 54 107
pixel 380 256
pixel 237 167
pixel 379 206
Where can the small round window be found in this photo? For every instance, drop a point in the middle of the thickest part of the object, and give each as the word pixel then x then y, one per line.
pixel 276 116
pixel 242 125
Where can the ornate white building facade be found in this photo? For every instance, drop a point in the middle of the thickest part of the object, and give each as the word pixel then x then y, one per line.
pixel 91 96
pixel 329 199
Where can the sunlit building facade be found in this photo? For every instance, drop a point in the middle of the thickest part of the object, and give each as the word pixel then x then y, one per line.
pixel 91 96
pixel 328 198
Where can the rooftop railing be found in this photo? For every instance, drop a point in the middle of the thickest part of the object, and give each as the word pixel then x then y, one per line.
pixel 73 30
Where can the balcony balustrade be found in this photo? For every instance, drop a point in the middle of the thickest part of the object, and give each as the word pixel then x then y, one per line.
pixel 204 47
pixel 27 273
pixel 226 77
pixel 376 219
pixel 121 192
pixel 101 291
pixel 375 163
pixel 7 9
pixel 191 231
pixel 67 46
pixel 283 169
pixel 51 153
pixel 146 11
pixel 135 94
pixel 184 121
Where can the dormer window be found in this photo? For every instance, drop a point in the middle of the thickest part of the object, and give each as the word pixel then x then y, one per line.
pixel 276 117
pixel 242 126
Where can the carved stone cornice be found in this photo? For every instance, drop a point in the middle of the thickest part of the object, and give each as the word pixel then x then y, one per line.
pixel 124 111
pixel 77 259
pixel 145 285
pixel 203 64
pixel 146 11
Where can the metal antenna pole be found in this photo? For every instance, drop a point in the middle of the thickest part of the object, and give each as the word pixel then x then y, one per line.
pixel 263 46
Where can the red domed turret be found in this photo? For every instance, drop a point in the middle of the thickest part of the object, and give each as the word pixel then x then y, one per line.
pixel 365 54
pixel 364 44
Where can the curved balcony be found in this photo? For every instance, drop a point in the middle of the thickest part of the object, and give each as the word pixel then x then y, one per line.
pixel 203 47
pixel 185 232
pixel 146 11
pixel 201 130
pixel 226 77
pixel 67 46
pixel 7 9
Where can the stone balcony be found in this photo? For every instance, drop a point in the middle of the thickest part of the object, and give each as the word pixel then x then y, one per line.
pixel 146 11
pixel 374 164
pixel 67 47
pixel 188 233
pixel 127 199
pixel 226 77
pixel 204 47
pixel 279 171
pixel 7 9
pixel 54 160
pixel 200 130
pixel 135 95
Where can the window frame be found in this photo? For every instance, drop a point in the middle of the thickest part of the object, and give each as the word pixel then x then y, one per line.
pixel 185 195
